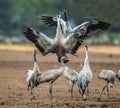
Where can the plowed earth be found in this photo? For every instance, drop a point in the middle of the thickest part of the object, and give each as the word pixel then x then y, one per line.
pixel 13 89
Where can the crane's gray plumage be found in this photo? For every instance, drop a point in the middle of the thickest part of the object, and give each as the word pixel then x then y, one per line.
pixel 82 85
pixel 60 45
pixel 50 76
pixel 84 77
pixel 52 21
pixel 35 76
pixel 109 76
pixel 89 27
pixel 72 76
pixel 118 75
pixel 32 75
pixel 84 30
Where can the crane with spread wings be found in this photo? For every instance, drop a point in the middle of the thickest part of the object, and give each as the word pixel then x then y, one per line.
pixel 67 40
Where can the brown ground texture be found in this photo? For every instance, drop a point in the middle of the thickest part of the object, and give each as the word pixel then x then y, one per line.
pixel 13 89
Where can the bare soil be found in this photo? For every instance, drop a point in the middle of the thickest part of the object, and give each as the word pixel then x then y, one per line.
pixel 13 89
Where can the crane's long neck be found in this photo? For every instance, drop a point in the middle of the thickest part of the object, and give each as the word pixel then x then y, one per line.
pixel 62 63
pixel 35 60
pixel 59 35
pixel 86 61
pixel 36 67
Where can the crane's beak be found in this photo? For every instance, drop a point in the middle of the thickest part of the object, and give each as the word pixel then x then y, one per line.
pixel 65 15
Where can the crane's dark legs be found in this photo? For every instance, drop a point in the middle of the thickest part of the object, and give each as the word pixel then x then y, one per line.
pixel 88 91
pixel 102 92
pixel 32 90
pixel 108 93
pixel 50 91
pixel 71 89
pixel 84 97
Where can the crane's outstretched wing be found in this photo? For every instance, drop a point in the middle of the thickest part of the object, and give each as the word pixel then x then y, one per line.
pixel 52 21
pixel 73 41
pixel 92 27
pixel 41 41
pixel 89 28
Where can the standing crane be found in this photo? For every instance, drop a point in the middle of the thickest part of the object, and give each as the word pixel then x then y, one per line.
pixel 84 77
pixel 109 76
pixel 50 76
pixel 32 75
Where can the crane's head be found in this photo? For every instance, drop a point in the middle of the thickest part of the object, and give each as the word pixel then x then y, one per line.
pixel 58 18
pixel 59 15
pixel 35 51
pixel 86 48
pixel 63 59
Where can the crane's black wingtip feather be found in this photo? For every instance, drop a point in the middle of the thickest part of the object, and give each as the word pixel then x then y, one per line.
pixel 30 33
pixel 48 20
pixel 105 25
pixel 24 29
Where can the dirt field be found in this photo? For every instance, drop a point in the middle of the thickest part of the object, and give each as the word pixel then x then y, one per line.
pixel 13 90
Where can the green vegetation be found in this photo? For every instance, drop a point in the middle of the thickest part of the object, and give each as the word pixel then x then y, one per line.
pixel 109 36
pixel 14 14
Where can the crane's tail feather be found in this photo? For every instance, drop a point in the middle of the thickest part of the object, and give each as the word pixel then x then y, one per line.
pixel 82 84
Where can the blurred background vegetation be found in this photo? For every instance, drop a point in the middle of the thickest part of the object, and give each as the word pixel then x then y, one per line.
pixel 14 14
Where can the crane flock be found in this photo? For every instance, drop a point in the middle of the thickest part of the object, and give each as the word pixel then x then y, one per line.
pixel 67 40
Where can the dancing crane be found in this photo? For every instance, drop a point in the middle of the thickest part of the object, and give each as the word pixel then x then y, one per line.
pixel 85 30
pixel 59 45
